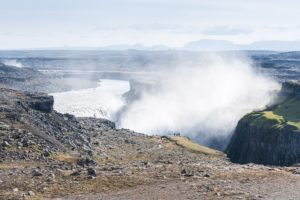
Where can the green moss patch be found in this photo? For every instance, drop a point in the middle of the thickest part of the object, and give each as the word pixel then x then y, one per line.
pixel 281 115
pixel 265 119
pixel 289 109
pixel 193 146
pixel 4 126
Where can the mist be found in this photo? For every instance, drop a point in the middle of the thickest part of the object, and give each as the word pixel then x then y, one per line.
pixel 203 101
pixel 12 62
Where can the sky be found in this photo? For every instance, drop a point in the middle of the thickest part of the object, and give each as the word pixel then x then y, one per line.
pixel 56 23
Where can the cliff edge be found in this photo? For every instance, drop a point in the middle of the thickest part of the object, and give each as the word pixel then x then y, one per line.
pixel 271 136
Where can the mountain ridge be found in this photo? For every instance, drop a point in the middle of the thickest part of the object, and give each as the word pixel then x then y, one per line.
pixel 197 45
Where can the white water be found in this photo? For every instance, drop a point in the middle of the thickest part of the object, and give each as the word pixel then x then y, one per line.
pixel 202 101
pixel 101 102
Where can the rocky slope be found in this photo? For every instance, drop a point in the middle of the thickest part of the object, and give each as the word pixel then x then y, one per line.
pixel 271 136
pixel 55 154
pixel 47 155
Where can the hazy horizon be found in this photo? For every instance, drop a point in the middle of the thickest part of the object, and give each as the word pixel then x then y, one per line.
pixel 96 23
pixel 199 45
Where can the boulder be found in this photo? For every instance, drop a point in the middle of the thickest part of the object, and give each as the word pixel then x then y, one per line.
pixel 36 173
pixel 91 172
pixel 42 103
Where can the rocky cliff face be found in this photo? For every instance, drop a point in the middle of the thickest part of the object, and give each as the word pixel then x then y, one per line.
pixel 34 113
pixel 271 136
pixel 137 87
pixel 290 89
pixel 40 102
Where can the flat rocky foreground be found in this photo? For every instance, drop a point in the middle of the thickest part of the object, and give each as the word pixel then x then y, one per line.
pixel 174 177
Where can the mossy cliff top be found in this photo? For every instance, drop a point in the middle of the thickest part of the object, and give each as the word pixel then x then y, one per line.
pixel 284 114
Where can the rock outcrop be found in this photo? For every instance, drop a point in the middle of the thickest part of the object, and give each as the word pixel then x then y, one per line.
pixel 138 87
pixel 271 136
pixel 34 113
pixel 40 102
pixel 290 89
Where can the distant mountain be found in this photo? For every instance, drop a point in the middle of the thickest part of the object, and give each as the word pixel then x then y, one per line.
pixel 200 45
pixel 210 45
pixel 273 45
pixel 216 45
pixel 120 47
pixel 137 46
pixel 223 45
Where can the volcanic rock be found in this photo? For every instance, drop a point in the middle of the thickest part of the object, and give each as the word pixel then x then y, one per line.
pixel 270 136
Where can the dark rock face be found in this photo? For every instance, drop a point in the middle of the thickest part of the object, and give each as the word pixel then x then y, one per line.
pixel 91 172
pixel 264 144
pixel 271 136
pixel 290 89
pixel 137 87
pixel 41 103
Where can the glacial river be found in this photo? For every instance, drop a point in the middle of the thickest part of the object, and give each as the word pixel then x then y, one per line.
pixel 101 102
